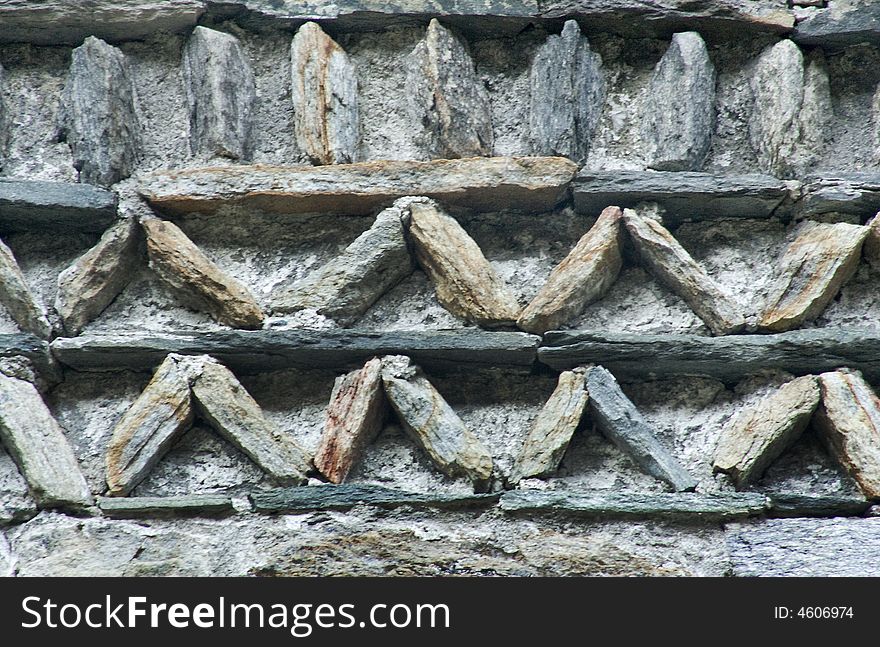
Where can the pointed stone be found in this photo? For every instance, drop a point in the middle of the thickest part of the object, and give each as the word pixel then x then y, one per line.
pixel 354 418
pixel 812 270
pixel 584 276
pixel 759 435
pixel 849 419
pixel 447 101
pixel 619 420
pixel 100 119
pixel 465 282
pixel 680 120
pixel 567 95
pixel 871 246
pixel 678 271
pixel 324 91
pixel 197 280
pixel 39 447
pixel 221 95
pixel 18 299
pixel 433 424
pixel 346 287
pixel 551 432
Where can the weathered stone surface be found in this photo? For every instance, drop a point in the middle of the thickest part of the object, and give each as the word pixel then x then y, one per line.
pixel 95 278
pixel 856 193
pixel 465 282
pixel 446 100
pixel 324 91
pixel 222 401
pixel 354 418
pixel 39 447
pixel 433 424
pixel 16 503
pixel 675 269
pixel 619 420
pixel 56 206
pixel 4 120
pixel 486 184
pixel 871 246
pixel 33 351
pixel 200 505
pixel 678 125
pixel 17 298
pixel 584 276
pixel 567 95
pixel 811 272
pixel 840 24
pixel 346 287
pixel 197 280
pixel 100 118
pixel 849 419
pixel 551 432
pixel 758 435
pixel 804 505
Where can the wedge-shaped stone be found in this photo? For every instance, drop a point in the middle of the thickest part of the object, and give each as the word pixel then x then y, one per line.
pixel 222 401
pixel 680 120
pixel 619 420
pixel 221 94
pixel 324 91
pixel 348 285
pixel 761 433
pixel 197 280
pixel 447 101
pixel 567 95
pixel 676 270
pixel 465 282
pixel 39 447
pixel 551 432
pixel 16 296
pixel 849 419
pixel 100 119
pixel 871 247
pixel 88 286
pixel 432 423
pixel 584 276
pixel 812 270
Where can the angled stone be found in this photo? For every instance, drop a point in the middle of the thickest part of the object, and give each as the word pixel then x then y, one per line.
pixel 813 268
pixel 871 246
pixel 758 435
pixel 202 505
pixel 465 282
pixel 346 287
pixel 432 423
pixel 100 120
pixel 196 279
pixel 584 276
pixel 679 123
pixel 26 205
pixel 681 274
pixel 849 419
pixel 222 401
pixel 221 95
pixel 447 101
pixel 619 420
pixel 551 432
pixel 18 299
pixel 567 95
pixel 324 91
pixel 353 419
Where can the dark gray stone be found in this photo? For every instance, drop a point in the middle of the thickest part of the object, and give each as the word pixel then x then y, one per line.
pixel 836 26
pixel 35 351
pixel 804 505
pixel 856 193
pixel 200 505
pixel 54 206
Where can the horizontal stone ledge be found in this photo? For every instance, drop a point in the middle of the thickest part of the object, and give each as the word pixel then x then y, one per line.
pixel 31 348
pixel 170 506
pixel 59 206
pixel 730 358
pixel 268 350
pixel 804 505
pixel 838 27
pixel 855 193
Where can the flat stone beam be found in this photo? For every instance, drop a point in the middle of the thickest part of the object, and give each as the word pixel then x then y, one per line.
pixel 849 193
pixel 32 348
pixel 836 28
pixel 482 183
pixel 55 206
pixel 804 505
pixel 194 505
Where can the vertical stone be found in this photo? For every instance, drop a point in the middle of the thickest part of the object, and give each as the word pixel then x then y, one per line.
pixel 567 95
pixel 16 296
pixel 871 246
pixel 447 101
pixel 100 118
pixel 324 91
pixel 4 120
pixel 680 116
pixel 221 95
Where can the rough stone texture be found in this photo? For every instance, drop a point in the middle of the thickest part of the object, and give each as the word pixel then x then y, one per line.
pixel 841 24
pixel 798 505
pixel 29 204
pixel 446 98
pixel 345 497
pixel 221 95
pixel 584 276
pixel 759 435
pixel 678 130
pixel 678 271
pixel 811 272
pixel 100 119
pixel 871 246
pixel 4 121
pixel 17 298
pixel 198 281
pixel 324 91
pixel 567 95
pixel 16 503
pixel 856 193
pixel 172 506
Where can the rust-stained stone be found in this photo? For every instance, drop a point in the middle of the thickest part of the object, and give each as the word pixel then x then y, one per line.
pixel 17 298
